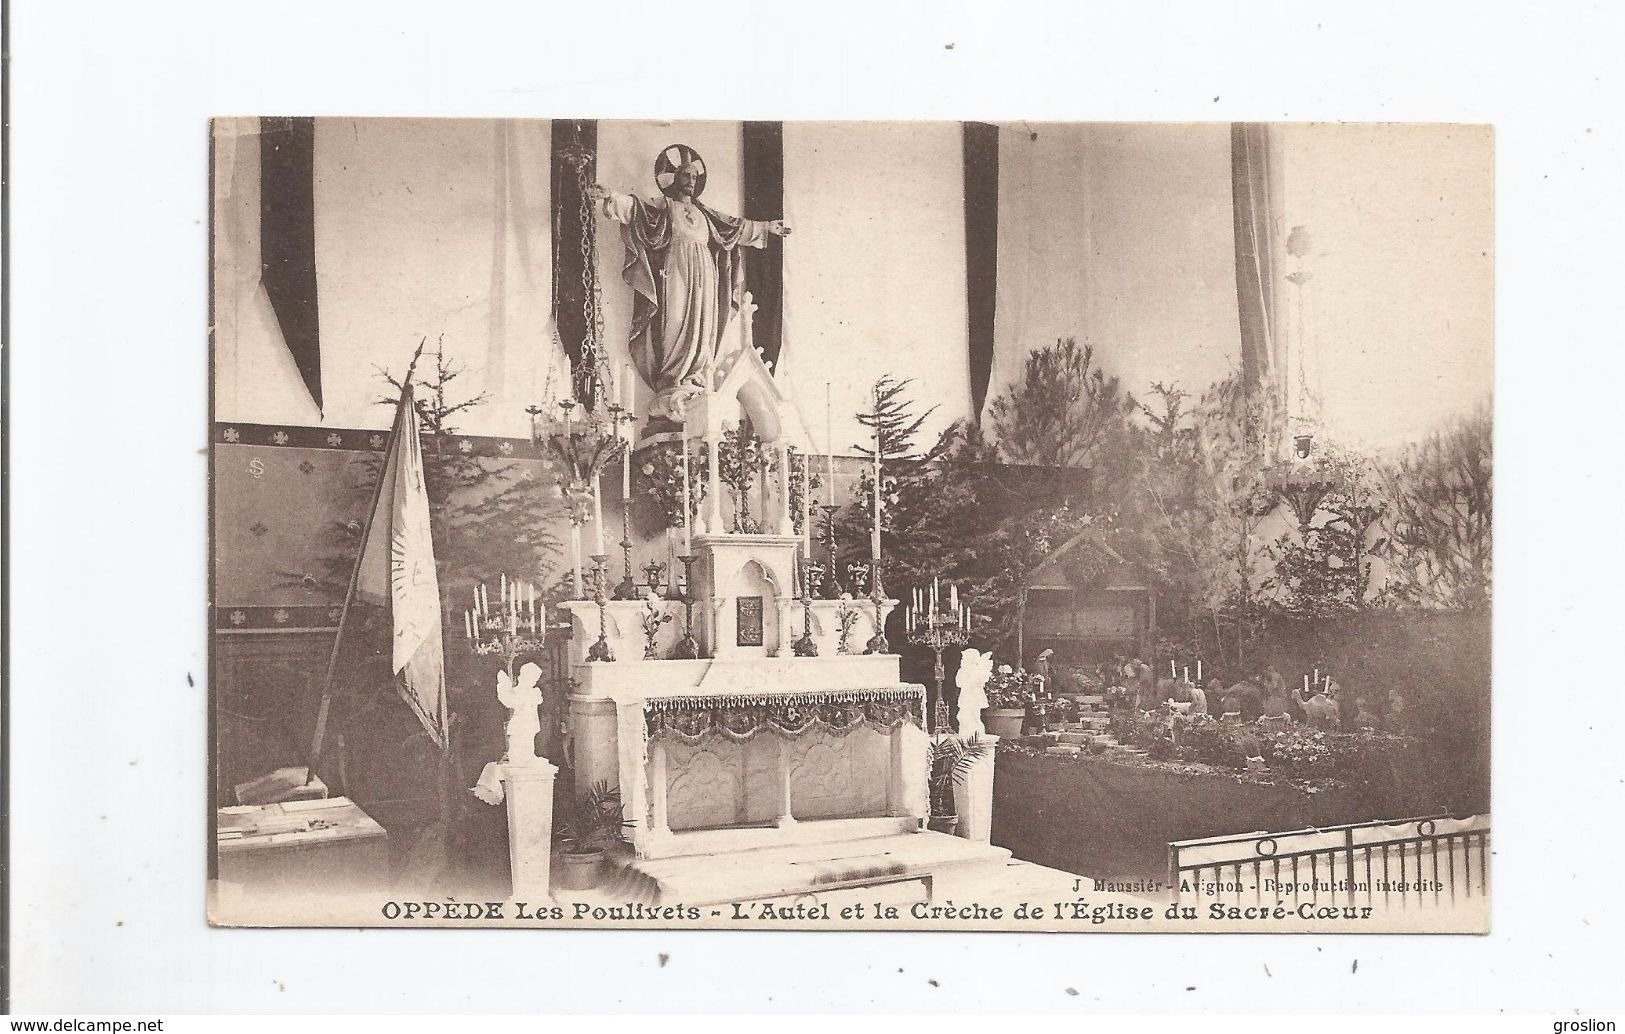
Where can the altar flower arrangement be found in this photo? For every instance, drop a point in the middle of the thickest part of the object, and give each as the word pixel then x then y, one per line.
pixel 846 616
pixel 804 477
pixel 741 459
pixel 660 480
pixel 653 616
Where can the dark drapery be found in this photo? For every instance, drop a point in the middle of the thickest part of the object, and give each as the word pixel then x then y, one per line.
pixel 288 240
pixel 981 150
pixel 1254 203
pixel 763 151
pixel 569 293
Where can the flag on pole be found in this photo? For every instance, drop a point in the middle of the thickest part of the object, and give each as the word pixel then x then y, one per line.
pixel 396 569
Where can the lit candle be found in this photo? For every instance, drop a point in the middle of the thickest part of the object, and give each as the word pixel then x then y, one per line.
pixel 476 597
pixel 1172 671
pixel 503 588
pixel 1187 675
pixel 1198 669
pixel 1306 683
pixel 631 391
pixel 953 596
pixel 468 623
pixel 1317 676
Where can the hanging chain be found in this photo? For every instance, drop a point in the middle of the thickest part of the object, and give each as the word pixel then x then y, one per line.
pixel 592 376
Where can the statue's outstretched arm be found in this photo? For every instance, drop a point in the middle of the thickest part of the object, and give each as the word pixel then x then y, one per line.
pixel 610 205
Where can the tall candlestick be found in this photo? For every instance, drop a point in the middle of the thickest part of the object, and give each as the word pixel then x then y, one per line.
pixel 631 391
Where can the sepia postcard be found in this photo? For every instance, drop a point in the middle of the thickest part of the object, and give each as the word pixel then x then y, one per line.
pixel 1014 526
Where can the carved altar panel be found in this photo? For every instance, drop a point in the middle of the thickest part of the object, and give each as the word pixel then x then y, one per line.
pixel 839 776
pixel 704 784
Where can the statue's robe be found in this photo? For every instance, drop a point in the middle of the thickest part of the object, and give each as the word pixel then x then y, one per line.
pixel 687 276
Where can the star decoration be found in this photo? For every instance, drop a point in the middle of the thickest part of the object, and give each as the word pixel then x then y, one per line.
pixel 258 529
pixel 238 617
pixel 280 438
pixel 507 448
pixel 232 434
pixel 335 439
pixel 308 467
pixel 280 617
pixel 376 441
pixel 465 446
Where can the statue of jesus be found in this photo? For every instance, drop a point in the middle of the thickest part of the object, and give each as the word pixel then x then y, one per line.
pixel 686 274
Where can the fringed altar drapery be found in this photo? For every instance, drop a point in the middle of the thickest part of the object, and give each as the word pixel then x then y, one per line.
pixel 690 719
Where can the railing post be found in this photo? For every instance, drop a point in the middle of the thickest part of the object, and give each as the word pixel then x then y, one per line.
pixel 1348 840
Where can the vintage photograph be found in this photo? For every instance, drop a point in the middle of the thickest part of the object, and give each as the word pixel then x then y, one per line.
pixel 1065 527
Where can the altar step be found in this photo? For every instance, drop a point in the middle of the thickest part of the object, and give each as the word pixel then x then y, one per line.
pixel 908 866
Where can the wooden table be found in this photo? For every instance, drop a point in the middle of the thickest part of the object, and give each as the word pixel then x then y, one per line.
pixel 303 847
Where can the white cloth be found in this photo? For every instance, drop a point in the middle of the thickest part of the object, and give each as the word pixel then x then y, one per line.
pixel 489 787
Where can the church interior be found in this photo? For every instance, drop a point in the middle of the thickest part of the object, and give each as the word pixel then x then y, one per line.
pixel 637 371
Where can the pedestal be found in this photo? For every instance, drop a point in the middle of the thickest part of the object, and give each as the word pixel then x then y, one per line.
pixel 528 788
pixel 973 798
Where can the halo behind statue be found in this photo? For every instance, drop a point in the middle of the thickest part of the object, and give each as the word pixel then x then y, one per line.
pixel 673 157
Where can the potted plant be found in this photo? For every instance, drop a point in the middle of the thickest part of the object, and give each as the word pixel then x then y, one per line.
pixel 952 758
pixel 589 824
pixel 1009 692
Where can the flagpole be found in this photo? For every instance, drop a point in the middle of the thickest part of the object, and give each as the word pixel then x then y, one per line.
pixel 320 732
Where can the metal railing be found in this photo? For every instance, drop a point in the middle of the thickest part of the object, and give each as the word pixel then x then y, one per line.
pixel 1431 861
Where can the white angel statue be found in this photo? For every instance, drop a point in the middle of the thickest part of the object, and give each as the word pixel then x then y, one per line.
pixel 975 668
pixel 521 697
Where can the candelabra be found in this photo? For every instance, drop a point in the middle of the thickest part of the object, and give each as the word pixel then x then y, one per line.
pixel 937 629
pixel 582 445
pixel 832 582
pixel 600 651
pixel 806 646
pixel 687 648
pixel 516 627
